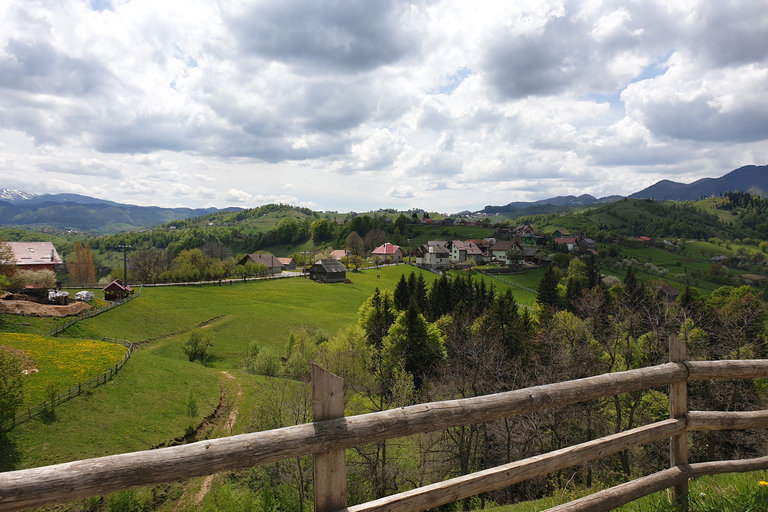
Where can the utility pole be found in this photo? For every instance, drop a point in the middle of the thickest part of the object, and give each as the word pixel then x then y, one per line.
pixel 125 263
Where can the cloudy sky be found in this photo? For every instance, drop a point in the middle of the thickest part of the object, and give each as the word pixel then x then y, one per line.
pixel 346 105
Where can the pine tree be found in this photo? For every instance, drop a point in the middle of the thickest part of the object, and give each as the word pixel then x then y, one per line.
pixel 548 296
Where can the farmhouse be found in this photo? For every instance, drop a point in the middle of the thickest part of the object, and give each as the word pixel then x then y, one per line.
pixel 388 253
pixel 35 255
pixel 338 254
pixel 328 271
pixel 434 255
pixel 272 262
pixel 460 251
pixel 508 252
pixel 116 290
pixel 569 242
pixel 287 263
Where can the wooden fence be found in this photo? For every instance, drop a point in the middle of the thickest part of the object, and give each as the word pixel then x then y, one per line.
pixel 326 438
pixel 93 312
pixel 36 410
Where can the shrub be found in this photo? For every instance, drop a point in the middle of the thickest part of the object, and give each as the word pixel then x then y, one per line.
pixel 197 345
pixel 36 278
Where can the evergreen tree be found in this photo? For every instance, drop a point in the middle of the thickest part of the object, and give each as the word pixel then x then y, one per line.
pixel 376 316
pixel 402 294
pixel 592 271
pixel 548 296
pixel 414 344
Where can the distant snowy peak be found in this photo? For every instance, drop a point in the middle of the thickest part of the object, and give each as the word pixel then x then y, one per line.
pixel 11 194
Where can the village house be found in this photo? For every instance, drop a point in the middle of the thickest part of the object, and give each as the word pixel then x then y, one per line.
pixel 461 250
pixel 328 271
pixel 433 255
pixel 523 229
pixel 338 254
pixel 532 255
pixel 485 247
pixel 508 252
pixel 116 290
pixel 569 242
pixel 388 253
pixel 35 255
pixel 287 263
pixel 272 262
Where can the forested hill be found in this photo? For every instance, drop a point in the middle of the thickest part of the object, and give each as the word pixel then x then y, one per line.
pixel 745 217
pixel 97 218
pixel 750 178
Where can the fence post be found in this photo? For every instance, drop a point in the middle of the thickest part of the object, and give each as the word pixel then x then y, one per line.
pixel 330 470
pixel 678 407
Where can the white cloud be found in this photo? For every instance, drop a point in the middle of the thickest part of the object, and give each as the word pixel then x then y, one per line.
pixel 449 104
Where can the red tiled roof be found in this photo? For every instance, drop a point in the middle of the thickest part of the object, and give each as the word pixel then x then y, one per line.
pixel 386 249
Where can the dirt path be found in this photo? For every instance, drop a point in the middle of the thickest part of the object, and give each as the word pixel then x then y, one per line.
pixel 232 410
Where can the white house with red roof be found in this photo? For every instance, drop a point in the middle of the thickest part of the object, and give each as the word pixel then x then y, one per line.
pixel 388 253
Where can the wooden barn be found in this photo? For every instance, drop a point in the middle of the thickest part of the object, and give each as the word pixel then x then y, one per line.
pixel 328 271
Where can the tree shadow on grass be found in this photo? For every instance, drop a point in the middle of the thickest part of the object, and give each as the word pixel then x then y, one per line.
pixel 48 416
pixel 10 456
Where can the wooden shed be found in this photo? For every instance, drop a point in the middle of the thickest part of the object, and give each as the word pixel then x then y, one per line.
pixel 116 290
pixel 328 271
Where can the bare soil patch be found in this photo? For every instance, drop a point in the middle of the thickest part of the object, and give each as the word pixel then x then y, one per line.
pixel 27 308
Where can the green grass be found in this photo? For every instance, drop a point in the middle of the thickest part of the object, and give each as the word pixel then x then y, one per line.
pixel 145 404
pixel 735 492
pixel 142 407
pixel 61 362
pixel 265 311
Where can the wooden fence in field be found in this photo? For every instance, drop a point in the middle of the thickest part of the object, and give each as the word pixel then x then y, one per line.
pixel 331 434
pixel 36 410
pixel 93 312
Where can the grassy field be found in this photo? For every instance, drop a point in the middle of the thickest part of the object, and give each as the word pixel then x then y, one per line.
pixel 264 311
pixel 147 403
pixel 61 361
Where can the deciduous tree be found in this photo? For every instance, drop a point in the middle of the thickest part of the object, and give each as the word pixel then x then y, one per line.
pixel 80 264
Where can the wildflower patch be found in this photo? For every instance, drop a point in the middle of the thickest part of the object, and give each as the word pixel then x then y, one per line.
pixel 61 362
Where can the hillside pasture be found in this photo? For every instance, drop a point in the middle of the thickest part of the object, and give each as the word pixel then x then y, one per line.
pixel 265 311
pixel 61 362
pixel 143 406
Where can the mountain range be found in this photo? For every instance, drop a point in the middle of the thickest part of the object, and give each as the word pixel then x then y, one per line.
pixel 750 178
pixel 82 213
pixel 74 211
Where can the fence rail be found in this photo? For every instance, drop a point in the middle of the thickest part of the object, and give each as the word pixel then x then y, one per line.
pixel 79 479
pixel 94 312
pixel 72 392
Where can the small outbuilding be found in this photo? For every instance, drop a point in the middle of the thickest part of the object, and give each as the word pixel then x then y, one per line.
pixel 116 290
pixel 328 271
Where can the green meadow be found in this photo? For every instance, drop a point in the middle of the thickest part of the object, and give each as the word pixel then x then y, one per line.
pixel 148 403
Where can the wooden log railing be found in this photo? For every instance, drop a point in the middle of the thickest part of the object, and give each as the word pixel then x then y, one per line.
pixel 62 482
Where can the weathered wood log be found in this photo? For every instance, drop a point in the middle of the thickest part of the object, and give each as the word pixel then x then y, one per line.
pixel 330 468
pixel 717 420
pixel 502 476
pixel 728 466
pixel 619 495
pixel 723 369
pixel 622 494
pixel 678 406
pixel 52 484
